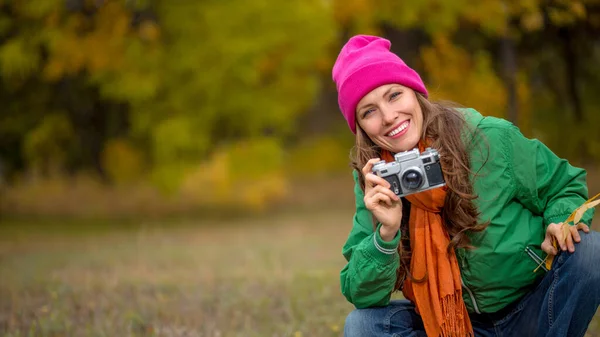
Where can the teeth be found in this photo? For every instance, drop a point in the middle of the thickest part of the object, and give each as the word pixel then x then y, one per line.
pixel 398 130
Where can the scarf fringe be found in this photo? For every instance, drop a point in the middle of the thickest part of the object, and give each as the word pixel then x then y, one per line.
pixel 454 322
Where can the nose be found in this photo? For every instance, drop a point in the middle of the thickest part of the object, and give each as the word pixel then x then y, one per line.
pixel 389 115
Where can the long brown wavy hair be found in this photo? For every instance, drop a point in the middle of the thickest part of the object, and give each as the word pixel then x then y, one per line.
pixel 447 131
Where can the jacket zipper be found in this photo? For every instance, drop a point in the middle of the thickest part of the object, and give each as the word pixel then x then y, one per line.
pixel 475 307
pixel 538 260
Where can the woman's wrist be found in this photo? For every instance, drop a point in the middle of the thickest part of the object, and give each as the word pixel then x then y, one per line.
pixel 387 234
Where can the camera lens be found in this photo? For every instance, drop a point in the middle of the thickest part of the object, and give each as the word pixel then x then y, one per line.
pixel 412 179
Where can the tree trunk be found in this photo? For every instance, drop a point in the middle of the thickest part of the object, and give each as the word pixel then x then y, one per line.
pixel 571 59
pixel 509 67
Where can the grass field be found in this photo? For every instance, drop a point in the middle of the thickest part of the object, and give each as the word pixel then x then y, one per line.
pixel 269 276
pixel 257 277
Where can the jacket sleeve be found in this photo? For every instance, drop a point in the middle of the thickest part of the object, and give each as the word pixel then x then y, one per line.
pixel 369 277
pixel 546 184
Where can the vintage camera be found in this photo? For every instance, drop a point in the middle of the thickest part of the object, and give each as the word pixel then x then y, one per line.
pixel 412 172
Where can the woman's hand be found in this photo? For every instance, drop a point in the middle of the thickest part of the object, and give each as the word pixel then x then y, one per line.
pixel 564 236
pixel 382 202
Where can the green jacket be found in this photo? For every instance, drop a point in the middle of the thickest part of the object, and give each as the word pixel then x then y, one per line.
pixel 522 188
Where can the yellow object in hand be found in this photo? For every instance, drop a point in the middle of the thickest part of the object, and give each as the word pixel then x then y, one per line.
pixel 571 220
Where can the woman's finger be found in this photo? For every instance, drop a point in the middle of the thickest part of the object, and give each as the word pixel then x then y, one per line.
pixel 555 231
pixel 375 180
pixel 376 198
pixel 375 183
pixel 569 240
pixel 547 246
pixel 369 166
pixel 385 199
pixel 386 191
pixel 380 190
pixel 575 233
pixel 583 227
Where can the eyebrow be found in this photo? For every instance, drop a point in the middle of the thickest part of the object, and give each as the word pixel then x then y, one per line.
pixel 387 92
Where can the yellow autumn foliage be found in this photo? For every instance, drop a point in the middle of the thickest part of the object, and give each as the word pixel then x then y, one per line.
pixel 197 86
pixel 455 74
pixel 121 161
pixel 242 175
pixel 317 156
pixel 46 146
pixel 100 48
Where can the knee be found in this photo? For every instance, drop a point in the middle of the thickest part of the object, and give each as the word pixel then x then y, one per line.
pixel 585 257
pixel 358 323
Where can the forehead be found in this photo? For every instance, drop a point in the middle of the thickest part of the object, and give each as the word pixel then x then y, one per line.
pixel 377 93
pixel 381 90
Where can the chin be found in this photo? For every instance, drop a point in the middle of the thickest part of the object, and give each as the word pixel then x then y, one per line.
pixel 404 147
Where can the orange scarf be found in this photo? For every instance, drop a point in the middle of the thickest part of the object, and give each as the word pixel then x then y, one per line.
pixel 438 298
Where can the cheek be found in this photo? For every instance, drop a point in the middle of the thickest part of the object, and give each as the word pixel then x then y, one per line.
pixel 418 117
pixel 419 121
pixel 371 128
pixel 419 126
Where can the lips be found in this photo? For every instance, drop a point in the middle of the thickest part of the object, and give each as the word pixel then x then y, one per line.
pixel 399 130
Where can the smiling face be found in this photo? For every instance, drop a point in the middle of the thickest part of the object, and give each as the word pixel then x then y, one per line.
pixel 392 117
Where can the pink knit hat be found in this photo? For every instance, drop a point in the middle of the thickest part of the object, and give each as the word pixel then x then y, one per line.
pixel 365 63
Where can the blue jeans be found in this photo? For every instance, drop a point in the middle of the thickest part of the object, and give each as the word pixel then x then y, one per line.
pixel 562 304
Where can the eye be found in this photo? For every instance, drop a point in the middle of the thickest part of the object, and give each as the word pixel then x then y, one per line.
pixel 367 112
pixel 394 95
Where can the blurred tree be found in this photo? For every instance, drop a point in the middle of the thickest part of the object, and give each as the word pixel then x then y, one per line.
pixel 46 146
pixel 168 93
pixel 122 162
pixel 227 72
pixel 46 54
pixel 179 80
pixel 526 58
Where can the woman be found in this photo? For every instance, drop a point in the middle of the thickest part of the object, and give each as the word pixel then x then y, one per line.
pixel 466 255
